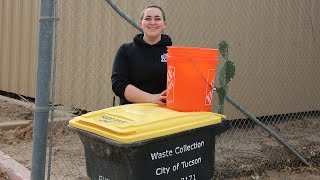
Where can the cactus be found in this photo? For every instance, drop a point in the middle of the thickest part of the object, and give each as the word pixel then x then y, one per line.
pixel 226 74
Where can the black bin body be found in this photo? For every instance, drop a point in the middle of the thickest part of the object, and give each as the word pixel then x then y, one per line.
pixel 187 155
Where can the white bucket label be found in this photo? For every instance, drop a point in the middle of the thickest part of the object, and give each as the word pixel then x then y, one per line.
pixel 170 83
pixel 209 87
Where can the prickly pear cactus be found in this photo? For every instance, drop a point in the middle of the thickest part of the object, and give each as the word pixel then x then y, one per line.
pixel 226 73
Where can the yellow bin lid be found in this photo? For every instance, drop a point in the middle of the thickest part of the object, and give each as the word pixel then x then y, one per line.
pixel 136 122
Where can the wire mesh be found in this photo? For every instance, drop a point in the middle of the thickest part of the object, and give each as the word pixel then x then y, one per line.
pixel 274 44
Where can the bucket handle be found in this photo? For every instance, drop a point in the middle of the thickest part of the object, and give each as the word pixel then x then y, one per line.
pixel 197 68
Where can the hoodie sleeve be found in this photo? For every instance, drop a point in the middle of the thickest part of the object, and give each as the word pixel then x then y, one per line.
pixel 120 72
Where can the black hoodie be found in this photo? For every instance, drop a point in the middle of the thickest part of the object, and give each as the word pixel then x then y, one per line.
pixel 141 65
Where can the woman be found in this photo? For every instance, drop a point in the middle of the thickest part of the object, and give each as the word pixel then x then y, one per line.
pixel 140 68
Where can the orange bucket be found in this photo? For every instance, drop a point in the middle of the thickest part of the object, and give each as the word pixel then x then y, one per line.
pixel 190 78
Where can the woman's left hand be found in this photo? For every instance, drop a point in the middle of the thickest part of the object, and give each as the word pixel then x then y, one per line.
pixel 161 98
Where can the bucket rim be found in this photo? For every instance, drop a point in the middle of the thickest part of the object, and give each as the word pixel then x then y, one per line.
pixel 194 48
pixel 187 58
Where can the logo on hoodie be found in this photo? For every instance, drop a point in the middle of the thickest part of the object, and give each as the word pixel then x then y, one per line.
pixel 163 57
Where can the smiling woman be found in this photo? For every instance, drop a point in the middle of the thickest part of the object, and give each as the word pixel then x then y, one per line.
pixel 153 23
pixel 139 72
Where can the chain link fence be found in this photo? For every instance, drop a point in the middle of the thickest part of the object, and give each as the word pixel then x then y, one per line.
pixel 274 45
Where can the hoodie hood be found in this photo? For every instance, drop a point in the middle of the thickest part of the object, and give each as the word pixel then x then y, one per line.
pixel 165 41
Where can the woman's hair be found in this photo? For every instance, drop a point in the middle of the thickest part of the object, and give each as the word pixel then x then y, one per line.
pixel 153 6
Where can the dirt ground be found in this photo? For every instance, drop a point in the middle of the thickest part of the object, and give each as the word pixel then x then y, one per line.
pixel 240 154
pixel 3 175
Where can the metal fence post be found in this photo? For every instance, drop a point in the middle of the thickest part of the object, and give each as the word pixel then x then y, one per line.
pixel 42 108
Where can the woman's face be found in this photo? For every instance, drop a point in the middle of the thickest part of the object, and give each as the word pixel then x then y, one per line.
pixel 152 23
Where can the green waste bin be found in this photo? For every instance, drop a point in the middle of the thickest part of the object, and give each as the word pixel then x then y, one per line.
pixel 149 142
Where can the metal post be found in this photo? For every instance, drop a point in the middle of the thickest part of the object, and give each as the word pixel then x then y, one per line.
pixel 42 108
pixel 124 15
pixel 266 128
